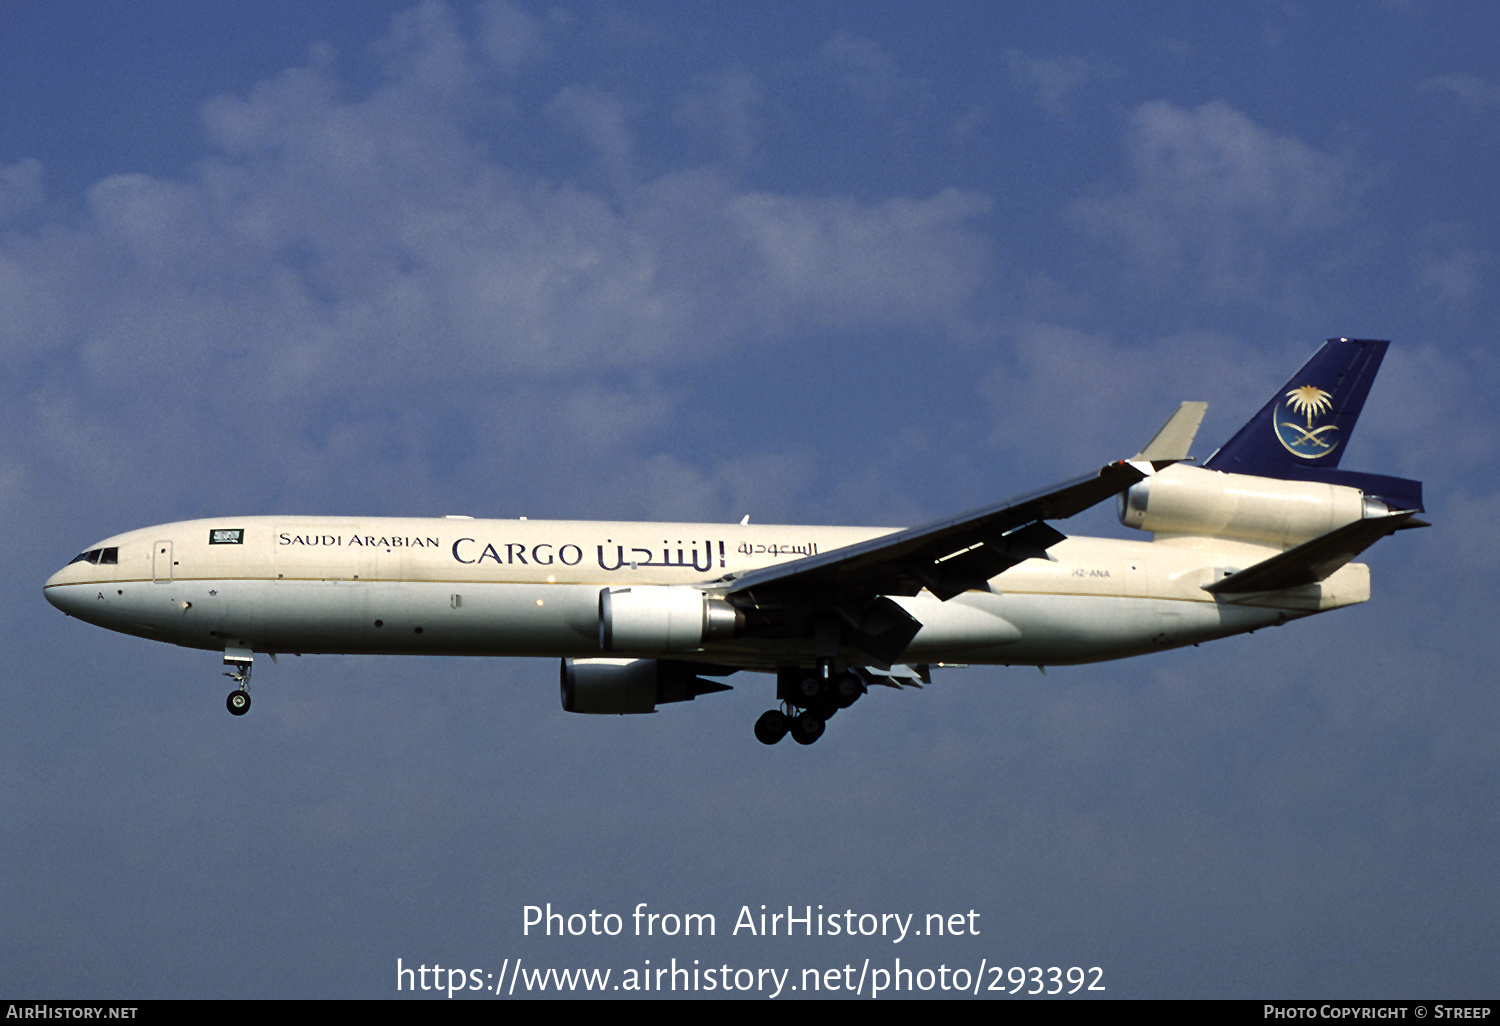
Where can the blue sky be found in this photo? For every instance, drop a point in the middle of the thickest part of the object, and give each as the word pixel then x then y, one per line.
pixel 814 263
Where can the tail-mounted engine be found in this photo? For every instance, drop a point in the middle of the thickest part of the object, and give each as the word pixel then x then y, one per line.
pixel 1185 500
pixel 621 686
pixel 663 618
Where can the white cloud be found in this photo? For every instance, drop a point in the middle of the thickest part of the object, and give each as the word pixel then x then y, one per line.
pixel 1429 409
pixel 726 109
pixel 1471 92
pixel 864 68
pixel 1055 82
pixel 603 121
pixel 1066 396
pixel 1450 267
pixel 425 51
pixel 21 189
pixel 868 73
pixel 341 263
pixel 37 317
pixel 1215 198
pixel 842 263
pixel 510 37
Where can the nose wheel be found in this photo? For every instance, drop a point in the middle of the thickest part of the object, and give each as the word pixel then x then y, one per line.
pixel 238 702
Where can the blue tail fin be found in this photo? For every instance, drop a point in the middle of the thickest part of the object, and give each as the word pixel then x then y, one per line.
pixel 1309 420
pixel 1301 433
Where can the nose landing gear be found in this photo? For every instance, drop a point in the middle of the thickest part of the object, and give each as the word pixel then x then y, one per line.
pixel 240 659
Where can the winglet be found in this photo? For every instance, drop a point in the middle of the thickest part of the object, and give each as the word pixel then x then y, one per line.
pixel 1176 436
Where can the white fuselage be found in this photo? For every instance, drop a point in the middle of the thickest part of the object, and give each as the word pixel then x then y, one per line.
pixel 458 586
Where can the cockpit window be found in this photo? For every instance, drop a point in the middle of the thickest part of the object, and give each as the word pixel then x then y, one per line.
pixel 110 555
pixel 91 556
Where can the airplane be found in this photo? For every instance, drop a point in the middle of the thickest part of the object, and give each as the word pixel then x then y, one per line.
pixel 647 614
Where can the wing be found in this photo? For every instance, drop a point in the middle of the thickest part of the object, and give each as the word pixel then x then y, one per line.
pixel 841 594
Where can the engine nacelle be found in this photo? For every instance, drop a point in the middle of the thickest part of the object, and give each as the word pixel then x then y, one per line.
pixel 663 618
pixel 1192 501
pixel 622 686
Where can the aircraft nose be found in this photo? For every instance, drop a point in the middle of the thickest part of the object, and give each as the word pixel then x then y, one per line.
pixel 63 596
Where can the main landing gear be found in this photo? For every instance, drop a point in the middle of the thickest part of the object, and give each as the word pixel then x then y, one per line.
pixel 240 660
pixel 808 699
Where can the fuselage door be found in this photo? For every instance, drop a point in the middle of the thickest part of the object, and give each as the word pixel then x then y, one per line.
pixel 161 562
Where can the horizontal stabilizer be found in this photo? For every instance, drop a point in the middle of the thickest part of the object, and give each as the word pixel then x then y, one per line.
pixel 1176 436
pixel 1313 561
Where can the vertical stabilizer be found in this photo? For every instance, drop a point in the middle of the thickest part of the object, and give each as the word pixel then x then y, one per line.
pixel 1301 434
pixel 1309 420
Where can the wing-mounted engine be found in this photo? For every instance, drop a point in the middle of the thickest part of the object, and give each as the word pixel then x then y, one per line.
pixel 622 686
pixel 663 618
pixel 1184 500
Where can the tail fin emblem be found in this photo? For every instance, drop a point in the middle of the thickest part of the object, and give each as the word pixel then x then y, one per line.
pixel 1309 442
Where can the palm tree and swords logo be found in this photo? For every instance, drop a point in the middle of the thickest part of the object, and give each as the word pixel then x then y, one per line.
pixel 1303 439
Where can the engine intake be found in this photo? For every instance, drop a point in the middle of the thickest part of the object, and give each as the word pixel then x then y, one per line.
pixel 663 618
